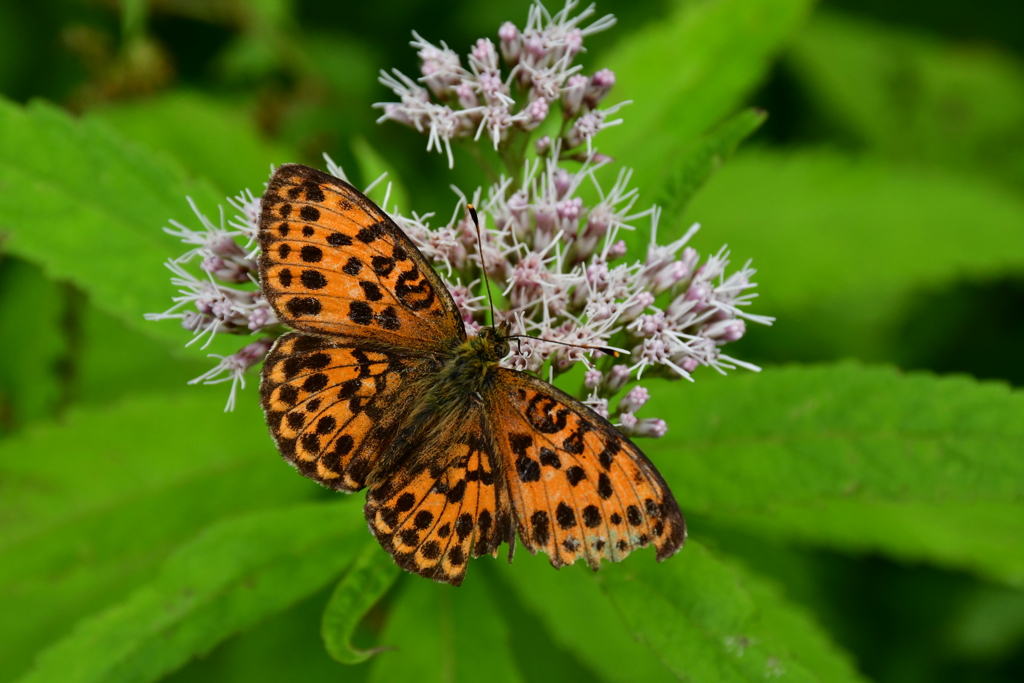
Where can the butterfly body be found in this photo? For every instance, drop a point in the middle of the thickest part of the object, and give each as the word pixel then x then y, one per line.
pixel 380 387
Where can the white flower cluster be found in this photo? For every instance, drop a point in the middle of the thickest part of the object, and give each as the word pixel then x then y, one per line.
pixel 566 281
pixel 451 101
pixel 227 298
pixel 562 266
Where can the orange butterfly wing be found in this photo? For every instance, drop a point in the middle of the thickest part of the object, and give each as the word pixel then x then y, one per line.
pixel 344 402
pixel 332 407
pixel 334 264
pixel 579 488
pixel 447 504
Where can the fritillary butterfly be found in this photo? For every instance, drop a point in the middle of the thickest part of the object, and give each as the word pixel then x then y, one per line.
pixel 379 386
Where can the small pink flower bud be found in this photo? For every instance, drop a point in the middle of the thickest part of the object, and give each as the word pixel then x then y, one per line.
pixel 617 250
pixel 570 209
pixel 592 379
pixel 597 276
pixel 600 83
pixel 651 428
pixel 193 321
pixel 651 324
pixel 599 406
pixel 536 46
pixel 598 221
pixel 653 352
pixel 260 318
pixel 543 146
pixel 484 56
pixel 535 113
pixel 616 378
pixel 634 400
pixel 510 43
pixel 574 42
pixel 226 247
pixel 666 277
pixel 725 331
pixel 689 364
pixel 400 114
pixel 467 95
pixel 640 303
pixel 585 128
pixel 627 421
pixel 546 83
pixel 700 294
pixel 562 180
pixel 493 88
pixel 253 353
pixel 572 94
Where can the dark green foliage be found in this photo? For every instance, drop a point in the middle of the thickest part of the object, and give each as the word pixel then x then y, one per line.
pixel 850 520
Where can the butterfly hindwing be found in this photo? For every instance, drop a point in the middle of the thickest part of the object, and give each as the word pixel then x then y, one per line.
pixel 334 264
pixel 579 488
pixel 332 405
pixel 448 507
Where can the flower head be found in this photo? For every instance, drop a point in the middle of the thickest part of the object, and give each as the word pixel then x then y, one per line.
pixel 576 283
pixel 459 103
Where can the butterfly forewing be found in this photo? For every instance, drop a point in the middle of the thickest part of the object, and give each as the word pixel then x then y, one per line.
pixel 579 488
pixel 332 406
pixel 448 507
pixel 334 264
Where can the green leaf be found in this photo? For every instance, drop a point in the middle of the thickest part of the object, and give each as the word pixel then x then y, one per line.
pixel 819 224
pixel 284 647
pixel 443 633
pixel 112 361
pixel 840 243
pixel 702 159
pixel 89 506
pixel 979 537
pixel 210 138
pixel 371 166
pixel 89 208
pixel 363 585
pixel 581 619
pixel 695 617
pixel 686 73
pixel 33 310
pixel 227 579
pixel 912 97
pixel 990 623
pixel 845 432
pixel 852 456
pixel 706 619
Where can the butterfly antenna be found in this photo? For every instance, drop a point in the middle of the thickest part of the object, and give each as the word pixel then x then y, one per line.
pixel 616 353
pixel 483 266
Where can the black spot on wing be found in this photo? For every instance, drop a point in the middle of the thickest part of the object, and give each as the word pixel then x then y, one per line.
pixel 339 239
pixel 528 469
pixel 302 306
pixel 311 254
pixel 313 279
pixel 352 266
pixel 565 516
pixel 540 526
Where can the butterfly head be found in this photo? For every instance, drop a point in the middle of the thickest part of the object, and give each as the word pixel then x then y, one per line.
pixel 494 340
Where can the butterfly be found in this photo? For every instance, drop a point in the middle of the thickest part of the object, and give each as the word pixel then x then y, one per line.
pixel 380 387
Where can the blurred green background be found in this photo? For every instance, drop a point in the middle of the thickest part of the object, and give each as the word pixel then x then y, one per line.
pixel 882 202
